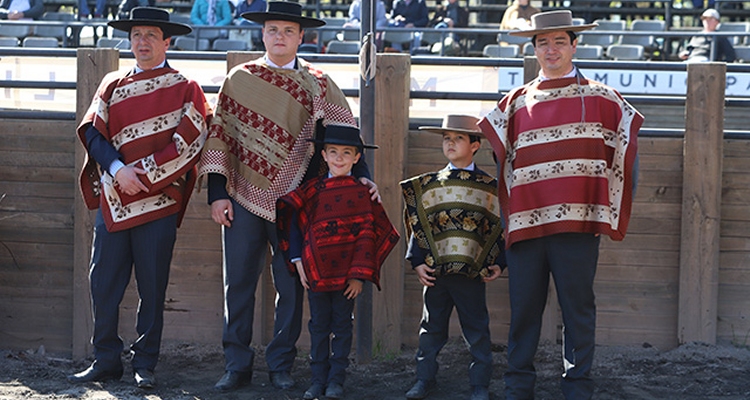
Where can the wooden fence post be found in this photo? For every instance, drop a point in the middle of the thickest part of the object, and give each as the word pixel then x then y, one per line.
pixel 701 203
pixel 92 65
pixel 392 85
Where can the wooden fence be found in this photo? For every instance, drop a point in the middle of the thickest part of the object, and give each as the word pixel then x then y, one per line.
pixel 681 274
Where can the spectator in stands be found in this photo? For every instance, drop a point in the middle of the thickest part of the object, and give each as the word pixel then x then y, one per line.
pixel 99 12
pixel 698 48
pixel 211 13
pixel 699 4
pixel 123 11
pixel 518 16
pixel 21 9
pixel 409 14
pixel 450 15
pixel 245 6
pixel 355 15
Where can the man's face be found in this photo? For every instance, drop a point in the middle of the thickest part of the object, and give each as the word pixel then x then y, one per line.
pixel 710 24
pixel 554 51
pixel 148 46
pixel 282 39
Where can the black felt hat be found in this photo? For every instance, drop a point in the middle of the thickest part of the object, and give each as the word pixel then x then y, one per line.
pixel 151 16
pixel 345 135
pixel 283 11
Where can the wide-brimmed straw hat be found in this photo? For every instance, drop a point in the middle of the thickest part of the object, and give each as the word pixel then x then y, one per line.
pixel 456 123
pixel 345 135
pixel 552 21
pixel 283 11
pixel 151 16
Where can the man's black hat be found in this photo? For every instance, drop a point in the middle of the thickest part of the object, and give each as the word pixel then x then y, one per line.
pixel 151 16
pixel 283 11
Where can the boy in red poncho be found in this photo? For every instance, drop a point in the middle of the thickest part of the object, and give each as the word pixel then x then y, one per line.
pixel 335 237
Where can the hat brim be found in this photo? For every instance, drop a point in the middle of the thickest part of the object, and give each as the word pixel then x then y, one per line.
pixel 441 130
pixel 342 143
pixel 533 32
pixel 262 17
pixel 169 28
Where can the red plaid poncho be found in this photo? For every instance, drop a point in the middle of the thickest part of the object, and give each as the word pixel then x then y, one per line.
pixel 346 235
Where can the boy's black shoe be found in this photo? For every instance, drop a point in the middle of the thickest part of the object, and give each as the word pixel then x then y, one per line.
pixel 334 391
pixel 420 390
pixel 315 391
pixel 480 393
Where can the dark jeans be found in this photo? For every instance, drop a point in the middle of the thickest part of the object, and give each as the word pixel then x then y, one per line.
pixel 330 314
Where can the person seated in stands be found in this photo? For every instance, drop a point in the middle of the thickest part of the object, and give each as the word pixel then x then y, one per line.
pixel 123 11
pixel 518 16
pixel 699 3
pixel 409 14
pixel 245 6
pixel 309 42
pixel 15 10
pixel 211 13
pixel 100 11
pixel 355 15
pixel 450 15
pixel 698 48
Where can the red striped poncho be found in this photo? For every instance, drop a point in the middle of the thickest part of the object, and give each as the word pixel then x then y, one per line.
pixel 566 154
pixel 346 235
pixel 157 120
pixel 257 139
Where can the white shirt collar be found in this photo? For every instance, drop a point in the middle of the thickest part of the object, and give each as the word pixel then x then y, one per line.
pixel 138 69
pixel 289 65
pixel 470 167
pixel 571 74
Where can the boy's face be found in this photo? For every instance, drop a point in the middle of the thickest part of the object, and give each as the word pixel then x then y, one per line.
pixel 458 148
pixel 340 159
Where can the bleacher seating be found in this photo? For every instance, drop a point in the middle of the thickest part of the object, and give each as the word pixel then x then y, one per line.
pixel 229 45
pixel 188 43
pixel 743 53
pixel 115 43
pixel 589 52
pixel 743 27
pixel 625 52
pixel 401 37
pixel 602 40
pixel 341 47
pixel 326 36
pixel 15 30
pixel 649 43
pixel 36 41
pixel 59 32
pixel 9 42
pixel 309 48
pixel 498 51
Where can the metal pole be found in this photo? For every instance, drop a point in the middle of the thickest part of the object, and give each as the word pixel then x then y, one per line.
pixel 367 128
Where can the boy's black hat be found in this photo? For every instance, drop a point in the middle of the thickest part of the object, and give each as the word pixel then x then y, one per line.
pixel 283 11
pixel 344 135
pixel 151 16
pixel 456 123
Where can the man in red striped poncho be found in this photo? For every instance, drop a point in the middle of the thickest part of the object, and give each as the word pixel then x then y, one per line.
pixel 566 149
pixel 145 129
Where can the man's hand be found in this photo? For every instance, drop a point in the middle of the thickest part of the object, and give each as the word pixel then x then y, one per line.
pixel 424 273
pixel 494 273
pixel 374 193
pixel 127 178
pixel 353 288
pixel 302 275
pixel 222 212
pixel 15 15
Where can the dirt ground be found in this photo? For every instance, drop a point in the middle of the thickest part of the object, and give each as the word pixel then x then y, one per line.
pixel 691 372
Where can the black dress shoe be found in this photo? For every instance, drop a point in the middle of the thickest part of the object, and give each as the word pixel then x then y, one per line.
pixel 334 391
pixel 314 392
pixel 233 380
pixel 281 380
pixel 96 373
pixel 145 379
pixel 480 393
pixel 420 390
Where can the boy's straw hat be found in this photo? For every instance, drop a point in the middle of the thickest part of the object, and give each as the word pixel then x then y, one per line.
pixel 456 123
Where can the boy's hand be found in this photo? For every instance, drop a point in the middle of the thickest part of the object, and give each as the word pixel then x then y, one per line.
pixel 424 273
pixel 353 288
pixel 301 272
pixel 222 212
pixel 494 273
pixel 374 193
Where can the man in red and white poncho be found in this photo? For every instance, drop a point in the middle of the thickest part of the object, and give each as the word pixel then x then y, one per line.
pixel 566 149
pixel 143 135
